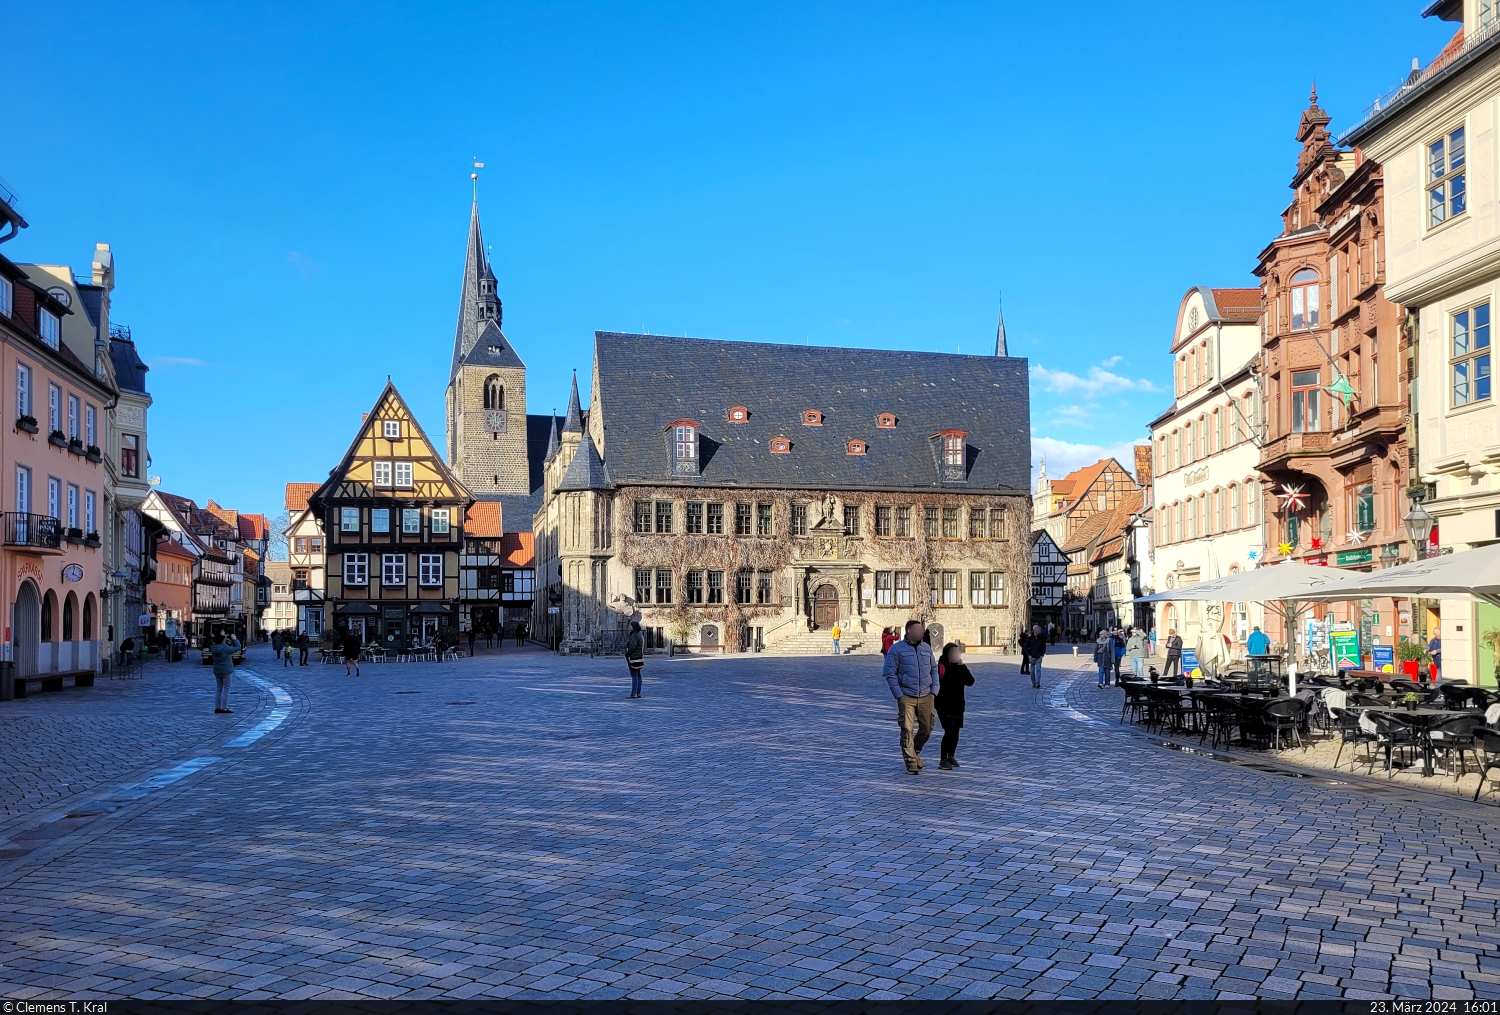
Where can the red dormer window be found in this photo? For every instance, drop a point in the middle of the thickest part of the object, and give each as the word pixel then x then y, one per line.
pixel 886 421
pixel 953 446
pixel 781 446
pixel 812 417
pixel 738 414
pixel 856 447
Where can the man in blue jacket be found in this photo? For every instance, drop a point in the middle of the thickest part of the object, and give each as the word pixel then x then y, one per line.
pixel 911 672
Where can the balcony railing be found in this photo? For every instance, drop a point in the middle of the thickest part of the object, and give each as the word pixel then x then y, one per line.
pixel 41 531
pixel 1420 76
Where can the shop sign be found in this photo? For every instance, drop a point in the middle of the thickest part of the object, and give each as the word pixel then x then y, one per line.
pixel 1317 561
pixel 1384 657
pixel 1343 649
pixel 1346 557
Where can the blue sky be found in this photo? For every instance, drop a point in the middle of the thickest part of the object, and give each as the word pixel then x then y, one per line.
pixel 286 189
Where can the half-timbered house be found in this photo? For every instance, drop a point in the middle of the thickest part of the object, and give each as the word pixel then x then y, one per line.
pixel 393 514
pixel 1049 576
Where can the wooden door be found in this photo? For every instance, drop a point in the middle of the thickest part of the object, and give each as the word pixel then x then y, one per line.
pixel 825 606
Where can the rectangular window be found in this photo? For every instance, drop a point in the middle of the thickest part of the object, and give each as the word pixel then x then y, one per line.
pixel 90 512
pixel 695 586
pixel 411 520
pixel 903 587
pixel 1234 425
pixel 979 523
pixel 49 327
pixel 883 589
pixel 91 426
pixel 763 587
pixel 742 583
pixel 693 523
pixel 950 523
pixel 953 450
pixel 72 506
pixel 382 473
pixel 380 519
pixel 54 497
pixel 393 569
pixel 882 521
pixel 299 545
pixel 1471 355
pixel 663 516
pixel 763 520
pixel 439 523
pixel 73 417
pixel 716 519
pixel 643 516
pixel 403 476
pixel 664 585
pixel 643 585
pixel 930 522
pixel 349 519
pixel 54 408
pixel 978 596
pixel 851 520
pixel 430 569
pixel 799 519
pixel 950 588
pixel 998 526
pixel 1446 195
pixel 1305 417
pixel 1236 493
pixel 1363 497
pixel 715 587
pixel 316 543
pixel 997 589
pixel 130 456
pixel 356 569
pixel 686 443
pixel 7 297
pixel 23 390
pixel 23 489
pixel 903 522
pixel 742 519
pixel 391 429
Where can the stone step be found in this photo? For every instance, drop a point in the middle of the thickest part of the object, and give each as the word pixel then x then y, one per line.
pixel 818 643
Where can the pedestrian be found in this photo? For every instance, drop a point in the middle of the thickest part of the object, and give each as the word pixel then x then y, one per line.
pixel 351 652
pixel 1117 637
pixel 489 637
pixel 1152 636
pixel 1104 659
pixel 635 657
pixel 1435 649
pixel 286 653
pixel 520 633
pixel 887 639
pixel 1258 644
pixel 1036 648
pixel 837 632
pixel 1174 654
pixel 276 642
pixel 303 645
pixel 222 654
pixel 911 672
pixel 953 677
pixel 471 639
pixel 1135 651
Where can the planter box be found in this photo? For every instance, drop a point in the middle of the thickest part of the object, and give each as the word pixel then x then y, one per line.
pixel 93 454
pixel 57 439
pixel 75 447
pixel 27 425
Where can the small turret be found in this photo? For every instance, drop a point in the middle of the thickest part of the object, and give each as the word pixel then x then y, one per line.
pixel 574 423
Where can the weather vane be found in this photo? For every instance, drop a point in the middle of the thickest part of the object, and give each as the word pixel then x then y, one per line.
pixel 475 177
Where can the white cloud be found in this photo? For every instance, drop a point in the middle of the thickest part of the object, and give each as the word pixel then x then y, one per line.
pixel 1073 415
pixel 1098 381
pixel 177 361
pixel 1112 361
pixel 1065 456
pixel 306 266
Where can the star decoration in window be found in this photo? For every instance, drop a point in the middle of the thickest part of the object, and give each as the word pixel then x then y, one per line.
pixel 1293 497
pixel 1356 536
pixel 1285 549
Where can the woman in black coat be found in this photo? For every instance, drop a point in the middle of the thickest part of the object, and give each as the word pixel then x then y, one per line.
pixel 953 677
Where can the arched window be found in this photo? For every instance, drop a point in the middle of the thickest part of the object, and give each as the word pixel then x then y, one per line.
pixel 1219 415
pixel 1304 299
pixel 494 392
pixel 70 606
pixel 88 617
pixel 1177 510
pixel 1191 443
pixel 1221 510
pixel 1203 448
pixel 1234 505
pixel 49 607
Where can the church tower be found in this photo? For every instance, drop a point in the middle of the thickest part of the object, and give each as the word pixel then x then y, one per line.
pixel 486 387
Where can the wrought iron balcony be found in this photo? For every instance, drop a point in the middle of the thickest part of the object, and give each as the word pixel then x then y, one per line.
pixel 41 532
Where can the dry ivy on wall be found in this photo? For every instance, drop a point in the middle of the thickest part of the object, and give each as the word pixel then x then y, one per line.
pixel 730 553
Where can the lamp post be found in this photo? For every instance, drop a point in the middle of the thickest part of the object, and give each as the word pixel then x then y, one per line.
pixel 1419 522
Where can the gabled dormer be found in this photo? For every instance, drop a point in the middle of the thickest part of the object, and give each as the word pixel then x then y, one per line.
pixel 683 446
pixel 950 454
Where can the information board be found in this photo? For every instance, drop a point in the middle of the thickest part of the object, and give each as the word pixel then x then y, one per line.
pixel 1343 649
pixel 1385 657
pixel 1190 662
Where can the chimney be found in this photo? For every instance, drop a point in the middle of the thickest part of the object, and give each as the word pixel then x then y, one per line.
pixel 1143 465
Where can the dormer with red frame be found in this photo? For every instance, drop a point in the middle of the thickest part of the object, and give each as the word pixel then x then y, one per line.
pixel 950 453
pixel 857 447
pixel 812 417
pixel 886 421
pixel 739 414
pixel 781 444
pixel 683 438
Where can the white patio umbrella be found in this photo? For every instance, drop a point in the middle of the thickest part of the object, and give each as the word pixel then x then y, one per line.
pixel 1470 574
pixel 1273 582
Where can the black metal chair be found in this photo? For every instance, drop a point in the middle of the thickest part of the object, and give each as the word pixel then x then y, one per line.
pixel 1285 716
pixel 1393 737
pixel 1135 705
pixel 1456 735
pixel 1347 725
pixel 1489 741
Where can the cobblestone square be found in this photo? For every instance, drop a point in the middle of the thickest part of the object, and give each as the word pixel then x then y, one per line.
pixel 515 826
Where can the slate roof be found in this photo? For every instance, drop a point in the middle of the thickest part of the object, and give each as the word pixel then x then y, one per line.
pixel 130 372
pixel 492 349
pixel 574 421
pixel 646 382
pixel 586 471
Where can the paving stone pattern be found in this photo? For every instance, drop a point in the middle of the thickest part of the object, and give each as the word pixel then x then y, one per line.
pixel 519 828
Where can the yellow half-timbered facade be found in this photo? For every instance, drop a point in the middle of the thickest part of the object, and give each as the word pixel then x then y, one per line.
pixel 393 517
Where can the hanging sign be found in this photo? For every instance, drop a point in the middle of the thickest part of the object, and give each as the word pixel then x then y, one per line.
pixel 1343 649
pixel 1385 657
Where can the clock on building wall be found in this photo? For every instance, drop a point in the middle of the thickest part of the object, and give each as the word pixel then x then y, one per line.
pixel 72 573
pixel 60 294
pixel 494 421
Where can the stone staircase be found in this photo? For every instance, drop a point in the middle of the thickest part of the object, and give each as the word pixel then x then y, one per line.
pixel 817 643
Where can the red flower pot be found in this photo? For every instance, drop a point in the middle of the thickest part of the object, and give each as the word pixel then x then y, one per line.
pixel 1410 667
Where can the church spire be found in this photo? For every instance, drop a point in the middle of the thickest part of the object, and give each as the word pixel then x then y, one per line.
pixel 1000 349
pixel 574 422
pixel 552 442
pixel 478 302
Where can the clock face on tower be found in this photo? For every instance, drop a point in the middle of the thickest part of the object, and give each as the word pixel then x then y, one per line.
pixel 494 421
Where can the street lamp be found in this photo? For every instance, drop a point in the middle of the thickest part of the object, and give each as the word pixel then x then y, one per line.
pixel 1419 522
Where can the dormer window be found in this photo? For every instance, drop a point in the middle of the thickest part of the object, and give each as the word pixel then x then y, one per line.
pixel 781 446
pixel 738 414
pixel 812 417
pixel 886 421
pixel 685 442
pixel 856 447
pixel 49 327
pixel 951 447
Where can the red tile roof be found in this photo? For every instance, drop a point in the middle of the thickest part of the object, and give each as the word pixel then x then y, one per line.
pixel 518 549
pixel 166 546
pixel 297 494
pixel 1242 303
pixel 484 519
pixel 254 527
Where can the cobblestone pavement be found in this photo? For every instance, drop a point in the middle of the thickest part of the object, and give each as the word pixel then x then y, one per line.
pixel 514 826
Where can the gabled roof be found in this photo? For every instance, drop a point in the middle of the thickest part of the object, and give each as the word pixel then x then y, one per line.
pixel 169 547
pixel 297 494
pixel 492 349
pixel 279 571
pixel 586 471
pixel 518 549
pixel 1076 483
pixel 647 381
pixel 484 518
pixel 254 526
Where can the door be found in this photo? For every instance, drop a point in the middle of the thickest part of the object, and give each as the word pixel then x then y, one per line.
pixel 27 629
pixel 825 606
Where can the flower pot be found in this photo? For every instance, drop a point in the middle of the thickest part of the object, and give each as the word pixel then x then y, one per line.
pixel 93 454
pixel 1411 706
pixel 27 425
pixel 75 446
pixel 1410 667
pixel 57 439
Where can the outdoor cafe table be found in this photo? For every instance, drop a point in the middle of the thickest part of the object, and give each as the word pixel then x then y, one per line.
pixel 1422 720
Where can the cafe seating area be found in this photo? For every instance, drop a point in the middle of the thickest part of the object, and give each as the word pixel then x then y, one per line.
pixel 1378 723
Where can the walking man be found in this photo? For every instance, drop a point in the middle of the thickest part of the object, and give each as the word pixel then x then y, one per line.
pixel 837 632
pixel 471 640
pixel 222 655
pixel 1135 651
pixel 1036 648
pixel 352 647
pixel 911 672
pixel 1174 654
pixel 520 634
pixel 303 644
pixel 635 657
